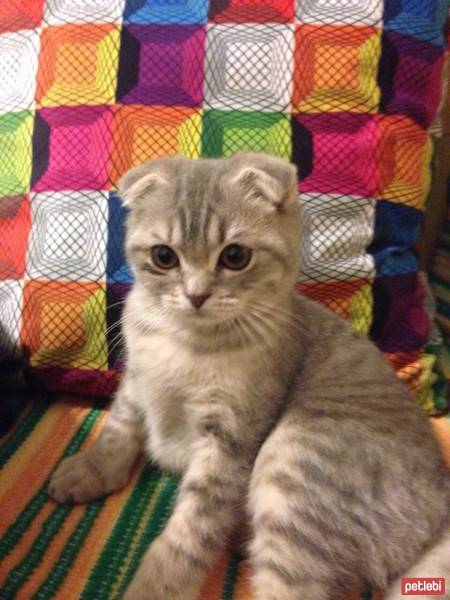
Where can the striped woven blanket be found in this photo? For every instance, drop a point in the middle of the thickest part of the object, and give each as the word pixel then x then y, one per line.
pixel 89 552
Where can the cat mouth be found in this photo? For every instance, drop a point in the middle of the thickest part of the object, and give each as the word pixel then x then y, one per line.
pixel 194 313
pixel 206 316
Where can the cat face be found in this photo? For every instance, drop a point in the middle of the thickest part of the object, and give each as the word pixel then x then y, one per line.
pixel 208 239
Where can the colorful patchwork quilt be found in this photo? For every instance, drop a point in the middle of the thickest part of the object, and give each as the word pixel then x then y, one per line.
pixel 345 89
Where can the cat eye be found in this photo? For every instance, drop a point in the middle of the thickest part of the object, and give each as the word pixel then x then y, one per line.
pixel 235 257
pixel 164 257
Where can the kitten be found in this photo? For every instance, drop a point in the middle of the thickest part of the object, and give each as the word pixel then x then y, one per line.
pixel 264 401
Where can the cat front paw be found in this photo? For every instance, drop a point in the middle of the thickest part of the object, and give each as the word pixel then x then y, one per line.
pixel 157 578
pixel 139 590
pixel 78 480
pixel 147 586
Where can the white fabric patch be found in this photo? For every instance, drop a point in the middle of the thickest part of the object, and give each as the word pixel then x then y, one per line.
pixel 18 67
pixel 10 311
pixel 354 12
pixel 334 234
pixel 249 67
pixel 68 235
pixel 58 12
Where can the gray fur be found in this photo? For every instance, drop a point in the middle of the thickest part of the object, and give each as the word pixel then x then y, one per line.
pixel 269 405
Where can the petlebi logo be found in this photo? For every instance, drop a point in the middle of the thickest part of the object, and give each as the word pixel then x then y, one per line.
pixel 418 586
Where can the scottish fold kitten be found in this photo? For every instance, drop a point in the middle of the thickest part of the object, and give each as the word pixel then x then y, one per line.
pixel 270 407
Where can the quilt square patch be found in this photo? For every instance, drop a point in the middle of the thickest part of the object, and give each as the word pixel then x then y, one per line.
pixel 117 269
pixel 143 132
pixel 251 11
pixel 226 132
pixel 78 65
pixel 68 235
pixel 334 234
pixel 404 155
pixel 71 148
pixel 15 152
pixel 352 299
pixel 410 77
pixel 15 223
pixel 64 324
pixel 344 157
pixel 397 229
pixel 161 12
pixel 337 12
pixel 62 12
pixel 400 323
pixel 18 67
pixel 424 20
pixel 16 15
pixel 11 310
pixel 336 69
pixel 249 67
pixel 161 65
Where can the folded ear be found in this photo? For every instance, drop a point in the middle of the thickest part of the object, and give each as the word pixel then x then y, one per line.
pixel 140 181
pixel 266 177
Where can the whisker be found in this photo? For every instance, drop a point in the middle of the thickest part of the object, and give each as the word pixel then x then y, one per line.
pixel 120 302
pixel 283 316
pixel 113 326
pixel 239 332
pixel 266 331
pixel 245 328
pixel 114 348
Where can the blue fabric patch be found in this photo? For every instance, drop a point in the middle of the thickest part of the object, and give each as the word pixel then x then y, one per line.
pixel 166 12
pixel 117 269
pixel 423 19
pixel 397 228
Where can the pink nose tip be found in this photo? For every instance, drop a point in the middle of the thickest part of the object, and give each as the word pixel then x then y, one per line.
pixel 198 301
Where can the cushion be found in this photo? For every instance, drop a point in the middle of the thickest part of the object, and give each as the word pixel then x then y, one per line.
pixel 64 552
pixel 344 90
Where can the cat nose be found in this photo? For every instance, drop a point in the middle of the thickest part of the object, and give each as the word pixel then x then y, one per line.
pixel 198 301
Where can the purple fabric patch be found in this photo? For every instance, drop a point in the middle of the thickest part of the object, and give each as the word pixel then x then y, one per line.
pixel 161 65
pixel 78 381
pixel 115 298
pixel 409 77
pixel 400 323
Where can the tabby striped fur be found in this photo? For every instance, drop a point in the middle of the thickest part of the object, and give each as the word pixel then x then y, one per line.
pixel 271 407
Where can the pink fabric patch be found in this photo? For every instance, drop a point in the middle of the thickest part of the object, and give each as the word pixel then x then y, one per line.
pixel 82 164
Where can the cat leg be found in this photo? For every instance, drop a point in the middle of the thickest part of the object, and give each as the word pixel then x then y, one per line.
pixel 204 517
pixel 105 466
pixel 302 547
pixel 288 562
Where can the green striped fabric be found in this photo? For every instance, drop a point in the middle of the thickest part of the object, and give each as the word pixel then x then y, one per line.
pixel 82 552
